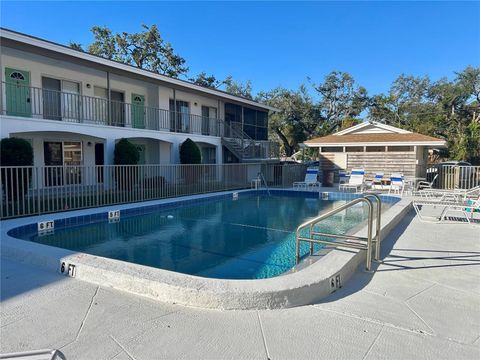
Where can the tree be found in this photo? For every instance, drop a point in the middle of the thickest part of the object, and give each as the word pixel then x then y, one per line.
pixel 190 152
pixel 445 109
pixel 209 81
pixel 125 153
pixel 76 46
pixel 339 98
pixel 238 88
pixel 340 103
pixel 297 120
pixel 146 50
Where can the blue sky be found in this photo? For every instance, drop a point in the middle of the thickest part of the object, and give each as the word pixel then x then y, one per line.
pixel 281 43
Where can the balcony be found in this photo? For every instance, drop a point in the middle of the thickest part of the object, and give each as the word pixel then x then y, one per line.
pixel 26 101
pixel 32 102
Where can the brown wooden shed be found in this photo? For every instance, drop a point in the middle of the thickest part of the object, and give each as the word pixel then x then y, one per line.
pixel 375 147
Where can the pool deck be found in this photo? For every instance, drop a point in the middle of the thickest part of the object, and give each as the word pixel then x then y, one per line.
pixel 422 302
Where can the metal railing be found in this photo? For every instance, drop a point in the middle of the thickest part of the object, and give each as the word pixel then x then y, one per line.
pixel 28 101
pixel 348 241
pixel 32 190
pixel 454 177
pixel 262 179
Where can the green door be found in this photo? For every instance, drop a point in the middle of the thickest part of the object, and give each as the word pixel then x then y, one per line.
pixel 17 84
pixel 138 111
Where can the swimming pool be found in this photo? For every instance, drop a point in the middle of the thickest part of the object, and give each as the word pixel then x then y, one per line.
pixel 251 237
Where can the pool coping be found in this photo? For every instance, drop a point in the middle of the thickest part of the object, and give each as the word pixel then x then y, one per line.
pixel 305 286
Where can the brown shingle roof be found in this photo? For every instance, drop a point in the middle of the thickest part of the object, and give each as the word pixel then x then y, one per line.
pixel 373 138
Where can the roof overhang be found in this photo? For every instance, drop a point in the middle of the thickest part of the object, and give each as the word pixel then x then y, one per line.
pixel 438 144
pixel 21 41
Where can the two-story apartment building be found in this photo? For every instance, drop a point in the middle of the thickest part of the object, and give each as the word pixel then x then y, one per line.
pixel 73 107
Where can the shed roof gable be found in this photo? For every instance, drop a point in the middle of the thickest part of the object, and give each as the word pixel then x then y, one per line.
pixel 372 127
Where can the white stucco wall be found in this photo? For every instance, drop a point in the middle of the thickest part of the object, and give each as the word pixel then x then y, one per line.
pixel 162 146
pixel 156 96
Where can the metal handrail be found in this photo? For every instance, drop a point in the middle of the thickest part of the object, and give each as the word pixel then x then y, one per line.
pixel 262 178
pixel 378 224
pixel 355 242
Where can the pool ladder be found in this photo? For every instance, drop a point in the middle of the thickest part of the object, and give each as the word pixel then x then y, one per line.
pixel 262 179
pixel 348 241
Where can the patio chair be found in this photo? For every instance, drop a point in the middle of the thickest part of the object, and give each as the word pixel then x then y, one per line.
pixel 421 185
pixel 356 181
pixel 466 208
pixel 397 184
pixel 310 181
pixel 450 195
pixel 343 177
pixel 377 181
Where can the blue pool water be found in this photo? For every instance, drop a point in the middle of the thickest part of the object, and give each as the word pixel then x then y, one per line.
pixel 249 238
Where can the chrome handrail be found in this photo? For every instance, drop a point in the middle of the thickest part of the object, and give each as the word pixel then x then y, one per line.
pixel 354 242
pixel 262 178
pixel 377 239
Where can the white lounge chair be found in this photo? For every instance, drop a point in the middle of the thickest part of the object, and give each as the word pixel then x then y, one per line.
pixel 311 180
pixel 397 184
pixel 467 209
pixel 450 195
pixel 355 181
pixel 421 185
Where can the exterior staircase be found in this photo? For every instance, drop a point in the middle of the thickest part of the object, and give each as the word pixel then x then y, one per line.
pixel 245 148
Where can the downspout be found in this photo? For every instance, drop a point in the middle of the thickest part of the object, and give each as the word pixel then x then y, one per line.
pixel 109 97
pixel 174 111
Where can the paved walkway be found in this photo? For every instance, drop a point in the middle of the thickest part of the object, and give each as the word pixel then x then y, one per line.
pixel 422 303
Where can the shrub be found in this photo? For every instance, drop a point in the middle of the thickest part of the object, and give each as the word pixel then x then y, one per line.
pixel 16 152
pixel 125 153
pixel 190 153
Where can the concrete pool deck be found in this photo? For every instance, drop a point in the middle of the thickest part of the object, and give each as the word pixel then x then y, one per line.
pixel 422 302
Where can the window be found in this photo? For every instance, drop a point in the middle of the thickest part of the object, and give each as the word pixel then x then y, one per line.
pixel 375 148
pixel 330 149
pixel 209 120
pixel 354 149
pixel 61 99
pixel 253 122
pixel 17 76
pixel 100 115
pixel 400 148
pixel 209 154
pixel 58 154
pixel 179 116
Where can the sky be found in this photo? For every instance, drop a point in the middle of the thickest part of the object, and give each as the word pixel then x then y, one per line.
pixel 280 43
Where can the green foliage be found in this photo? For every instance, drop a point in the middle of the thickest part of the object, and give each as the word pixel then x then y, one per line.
pixel 16 152
pixel 209 81
pixel 146 50
pixel 76 46
pixel 190 153
pixel 445 109
pixel 338 100
pixel 238 88
pixel 125 153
